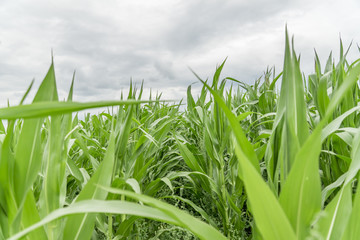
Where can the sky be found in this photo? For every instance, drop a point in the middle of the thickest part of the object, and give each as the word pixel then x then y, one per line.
pixel 110 42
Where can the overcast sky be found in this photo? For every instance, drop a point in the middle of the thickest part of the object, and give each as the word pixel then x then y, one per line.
pixel 109 42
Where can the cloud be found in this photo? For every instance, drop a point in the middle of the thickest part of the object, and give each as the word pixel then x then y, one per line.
pixel 109 43
pixel 200 22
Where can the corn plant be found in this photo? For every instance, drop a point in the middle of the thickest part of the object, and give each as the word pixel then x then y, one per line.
pixel 39 154
pixel 242 161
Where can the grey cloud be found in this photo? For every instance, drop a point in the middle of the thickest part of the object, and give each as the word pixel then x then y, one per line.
pixel 202 21
pixel 110 43
pixel 165 69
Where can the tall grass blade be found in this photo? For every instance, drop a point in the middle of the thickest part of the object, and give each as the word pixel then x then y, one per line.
pixel 292 113
pixel 301 196
pixel 91 207
pixel 28 154
pixel 81 226
pixel 271 222
pixel 42 109
pixel 301 193
pixel 182 219
pixel 352 231
pixel 337 212
pixel 244 143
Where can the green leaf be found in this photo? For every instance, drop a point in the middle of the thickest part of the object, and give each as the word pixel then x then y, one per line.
pixel 322 96
pixel 189 158
pixel 28 150
pixel 292 102
pixel 336 215
pixel 81 226
pixel 42 109
pixel 182 219
pixel 352 231
pixel 244 144
pixel 301 196
pixel 271 221
pixel 269 216
pixel 90 207
pixel 301 193
pixel 336 123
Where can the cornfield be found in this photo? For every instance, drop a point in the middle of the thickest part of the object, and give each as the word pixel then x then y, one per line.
pixel 239 162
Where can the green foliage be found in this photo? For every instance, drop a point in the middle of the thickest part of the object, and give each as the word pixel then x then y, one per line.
pixel 240 162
